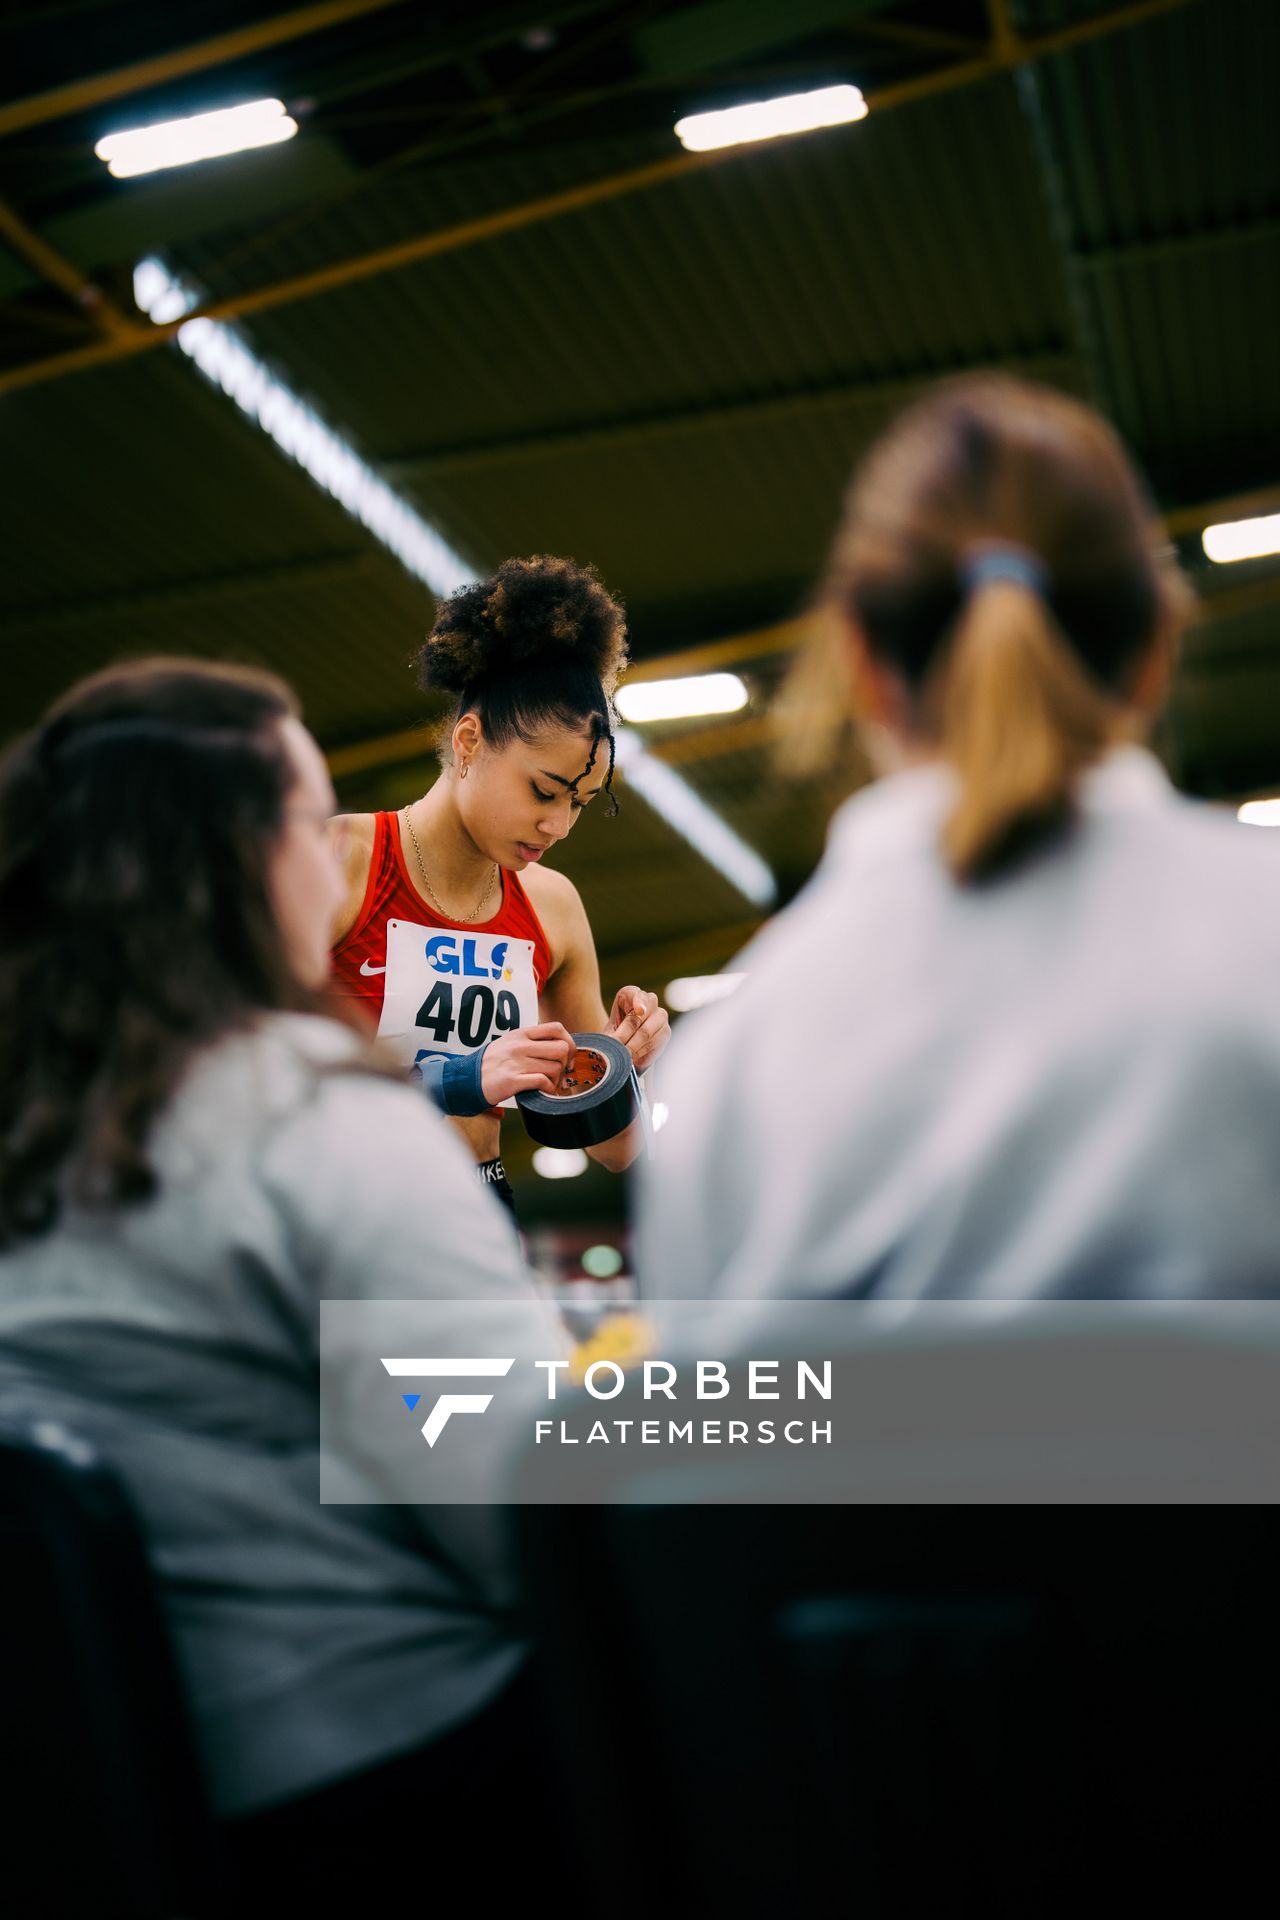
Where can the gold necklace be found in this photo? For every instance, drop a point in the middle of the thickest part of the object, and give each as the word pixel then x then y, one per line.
pixel 464 918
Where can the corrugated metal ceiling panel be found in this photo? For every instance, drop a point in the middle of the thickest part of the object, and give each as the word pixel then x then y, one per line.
pixel 1170 127
pixel 137 475
pixel 1164 146
pixel 918 241
pixel 1191 344
pixel 343 641
pixel 834 260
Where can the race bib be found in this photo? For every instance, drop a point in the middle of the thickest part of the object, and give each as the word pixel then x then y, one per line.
pixel 449 992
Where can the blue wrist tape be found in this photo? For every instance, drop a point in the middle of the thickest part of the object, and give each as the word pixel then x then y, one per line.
pixel 452 1080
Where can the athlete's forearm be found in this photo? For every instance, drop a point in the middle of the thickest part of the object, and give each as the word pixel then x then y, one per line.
pixel 617 1154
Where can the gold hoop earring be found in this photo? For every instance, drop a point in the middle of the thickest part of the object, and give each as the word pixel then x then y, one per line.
pixel 462 771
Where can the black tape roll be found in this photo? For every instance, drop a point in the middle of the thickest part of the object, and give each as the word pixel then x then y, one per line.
pixel 606 1104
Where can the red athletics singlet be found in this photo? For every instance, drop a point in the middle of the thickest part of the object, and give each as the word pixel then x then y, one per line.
pixel 434 985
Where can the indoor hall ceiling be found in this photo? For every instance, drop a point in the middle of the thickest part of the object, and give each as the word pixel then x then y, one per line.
pixel 589 344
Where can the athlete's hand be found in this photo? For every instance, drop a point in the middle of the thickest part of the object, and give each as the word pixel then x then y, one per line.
pixel 641 1024
pixel 531 1059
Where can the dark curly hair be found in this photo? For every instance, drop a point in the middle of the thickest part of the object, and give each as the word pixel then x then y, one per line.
pixel 136 924
pixel 540 643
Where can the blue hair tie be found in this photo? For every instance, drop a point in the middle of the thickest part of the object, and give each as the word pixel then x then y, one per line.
pixel 1002 560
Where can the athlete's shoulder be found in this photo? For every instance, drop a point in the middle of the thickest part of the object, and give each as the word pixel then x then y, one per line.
pixel 544 883
pixel 558 905
pixel 553 896
pixel 360 830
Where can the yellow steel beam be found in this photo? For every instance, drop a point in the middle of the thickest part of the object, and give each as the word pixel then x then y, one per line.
pixel 120 347
pixel 553 206
pixel 1233 506
pixel 412 743
pixel 1248 596
pixel 761 730
pixel 709 743
pixel 77 95
pixel 1004 44
pixel 93 304
pixel 406 743
pixel 737 736
pixel 785 636
pixel 467 233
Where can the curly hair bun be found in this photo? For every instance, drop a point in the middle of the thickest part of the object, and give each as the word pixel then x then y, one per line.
pixel 530 615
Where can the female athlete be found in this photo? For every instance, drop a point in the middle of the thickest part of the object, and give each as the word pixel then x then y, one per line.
pixel 476 960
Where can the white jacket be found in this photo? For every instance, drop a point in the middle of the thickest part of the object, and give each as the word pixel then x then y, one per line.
pixel 1062 1083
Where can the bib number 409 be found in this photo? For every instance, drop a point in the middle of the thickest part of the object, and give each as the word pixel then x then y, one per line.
pixel 480 1013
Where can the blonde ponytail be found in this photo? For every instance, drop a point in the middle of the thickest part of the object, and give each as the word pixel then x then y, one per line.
pixel 998 558
pixel 1018 717
pixel 811 717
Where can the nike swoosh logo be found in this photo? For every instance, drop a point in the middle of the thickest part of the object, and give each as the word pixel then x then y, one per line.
pixel 366 968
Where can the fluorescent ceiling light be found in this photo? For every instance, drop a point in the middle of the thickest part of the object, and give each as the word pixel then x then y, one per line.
pixel 223 357
pixel 297 429
pixel 1260 813
pixel 767 119
pixel 204 136
pixel 1243 539
pixel 559 1163
pixel 688 814
pixel 700 989
pixel 681 699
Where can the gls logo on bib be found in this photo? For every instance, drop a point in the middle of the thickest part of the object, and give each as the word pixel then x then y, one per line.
pixel 450 992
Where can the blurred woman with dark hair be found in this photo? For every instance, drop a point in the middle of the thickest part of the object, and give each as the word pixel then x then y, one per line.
pixel 192 1156
pixel 1021 1033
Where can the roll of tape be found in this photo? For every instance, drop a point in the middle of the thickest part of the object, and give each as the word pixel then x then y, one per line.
pixel 599 1097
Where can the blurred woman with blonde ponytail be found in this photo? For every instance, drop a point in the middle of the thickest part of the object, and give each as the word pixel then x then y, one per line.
pixel 1007 602
pixel 1020 1035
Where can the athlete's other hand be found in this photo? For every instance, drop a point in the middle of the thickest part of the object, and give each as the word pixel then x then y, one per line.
pixel 529 1060
pixel 643 1026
